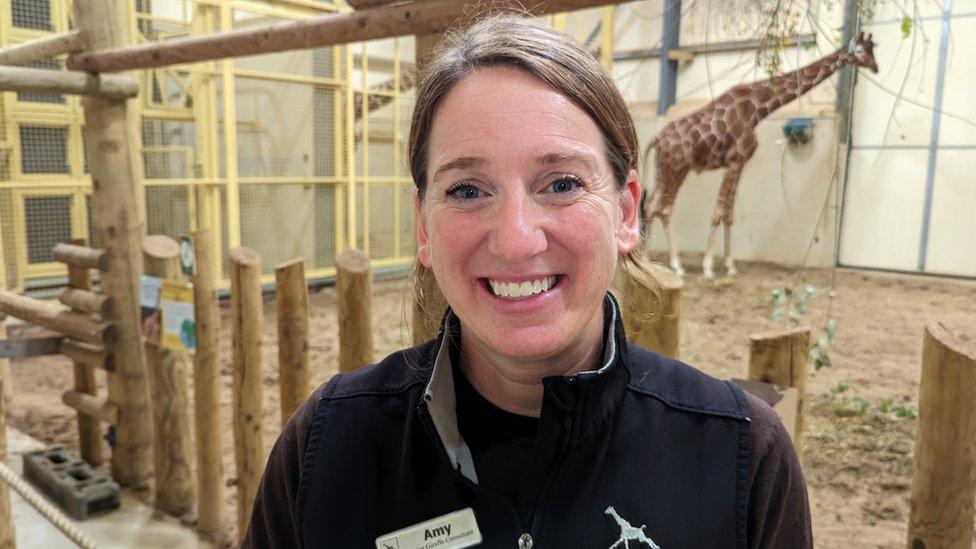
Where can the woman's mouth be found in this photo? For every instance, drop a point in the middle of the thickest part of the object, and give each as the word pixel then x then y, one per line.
pixel 523 289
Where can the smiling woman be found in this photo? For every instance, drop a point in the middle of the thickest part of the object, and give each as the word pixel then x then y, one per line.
pixel 529 421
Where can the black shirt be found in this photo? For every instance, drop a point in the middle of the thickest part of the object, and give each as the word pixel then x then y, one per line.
pixel 501 442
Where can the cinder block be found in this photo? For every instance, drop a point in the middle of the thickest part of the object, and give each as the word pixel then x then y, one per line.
pixel 71 482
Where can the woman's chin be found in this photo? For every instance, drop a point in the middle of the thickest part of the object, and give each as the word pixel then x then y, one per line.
pixel 529 345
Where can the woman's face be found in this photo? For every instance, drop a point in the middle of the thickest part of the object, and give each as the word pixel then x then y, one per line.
pixel 521 222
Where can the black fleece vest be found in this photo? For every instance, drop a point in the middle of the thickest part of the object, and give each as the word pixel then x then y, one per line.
pixel 647 451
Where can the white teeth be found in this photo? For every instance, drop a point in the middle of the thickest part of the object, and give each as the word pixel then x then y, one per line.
pixel 524 289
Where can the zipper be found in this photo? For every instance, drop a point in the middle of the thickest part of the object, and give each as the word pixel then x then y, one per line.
pixel 547 483
pixel 428 423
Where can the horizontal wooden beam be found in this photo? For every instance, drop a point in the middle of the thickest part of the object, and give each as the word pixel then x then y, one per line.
pixel 95 356
pixel 113 87
pixel 19 79
pixel 42 48
pixel 69 323
pixel 86 301
pixel 421 18
pixel 81 256
pixel 92 406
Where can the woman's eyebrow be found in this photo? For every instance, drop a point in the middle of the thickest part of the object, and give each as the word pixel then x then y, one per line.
pixel 460 163
pixel 557 158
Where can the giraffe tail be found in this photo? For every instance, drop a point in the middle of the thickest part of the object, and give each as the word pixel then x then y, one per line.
pixel 648 177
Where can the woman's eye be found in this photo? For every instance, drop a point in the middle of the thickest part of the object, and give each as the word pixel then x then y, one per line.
pixel 564 185
pixel 464 192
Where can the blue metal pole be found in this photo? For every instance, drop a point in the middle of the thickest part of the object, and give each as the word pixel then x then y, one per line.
pixel 670 39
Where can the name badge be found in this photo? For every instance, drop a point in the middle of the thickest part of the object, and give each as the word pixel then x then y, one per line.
pixel 451 531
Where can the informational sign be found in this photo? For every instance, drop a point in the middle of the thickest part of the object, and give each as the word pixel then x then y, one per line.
pixel 149 291
pixel 179 329
pixel 188 261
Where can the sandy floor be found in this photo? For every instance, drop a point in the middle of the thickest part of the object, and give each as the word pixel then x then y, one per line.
pixel 858 452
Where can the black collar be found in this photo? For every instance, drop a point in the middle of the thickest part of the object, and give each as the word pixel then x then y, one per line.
pixel 586 399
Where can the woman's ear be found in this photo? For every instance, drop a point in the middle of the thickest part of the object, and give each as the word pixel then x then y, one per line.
pixel 628 234
pixel 423 248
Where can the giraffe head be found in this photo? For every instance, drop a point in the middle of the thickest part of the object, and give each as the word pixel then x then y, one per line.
pixel 862 52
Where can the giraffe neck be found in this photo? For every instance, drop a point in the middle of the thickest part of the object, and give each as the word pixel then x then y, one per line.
pixel 784 88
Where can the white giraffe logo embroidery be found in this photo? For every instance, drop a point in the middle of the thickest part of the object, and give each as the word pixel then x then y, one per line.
pixel 628 533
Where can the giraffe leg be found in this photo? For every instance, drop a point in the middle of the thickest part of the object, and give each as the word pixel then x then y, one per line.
pixel 663 206
pixel 730 269
pixel 672 247
pixel 722 213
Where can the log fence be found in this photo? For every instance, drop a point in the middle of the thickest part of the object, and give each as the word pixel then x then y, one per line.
pixel 82 333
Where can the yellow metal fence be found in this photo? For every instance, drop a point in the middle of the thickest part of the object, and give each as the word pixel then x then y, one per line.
pixel 314 162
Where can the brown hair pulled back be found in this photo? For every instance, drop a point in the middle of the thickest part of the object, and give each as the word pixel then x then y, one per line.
pixel 553 57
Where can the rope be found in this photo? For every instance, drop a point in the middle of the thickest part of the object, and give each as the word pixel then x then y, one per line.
pixel 50 512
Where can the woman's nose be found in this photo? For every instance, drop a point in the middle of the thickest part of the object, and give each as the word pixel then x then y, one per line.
pixel 517 232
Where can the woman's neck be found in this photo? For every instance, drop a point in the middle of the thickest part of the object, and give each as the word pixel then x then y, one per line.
pixel 515 384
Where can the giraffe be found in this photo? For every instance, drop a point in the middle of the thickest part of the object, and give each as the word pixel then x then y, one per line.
pixel 722 134
pixel 628 533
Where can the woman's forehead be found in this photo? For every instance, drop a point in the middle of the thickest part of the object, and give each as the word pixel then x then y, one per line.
pixel 495 109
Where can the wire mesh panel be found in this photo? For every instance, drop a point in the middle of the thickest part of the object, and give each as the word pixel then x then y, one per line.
pixel 43 149
pixel 324 244
pixel 4 164
pixel 381 220
pixel 282 221
pixel 47 221
pixel 31 14
pixel 168 148
pixel 167 210
pixel 34 97
pixel 276 134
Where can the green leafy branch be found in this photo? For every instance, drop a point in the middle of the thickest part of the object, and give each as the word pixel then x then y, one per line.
pixel 791 305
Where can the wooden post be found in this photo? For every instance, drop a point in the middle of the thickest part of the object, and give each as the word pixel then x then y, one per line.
pixel 206 389
pixel 354 289
pixel 168 382
pixel 116 172
pixel 247 330
pixel 651 321
pixel 89 431
pixel 780 357
pixel 6 390
pixel 293 373
pixel 8 537
pixel 945 445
